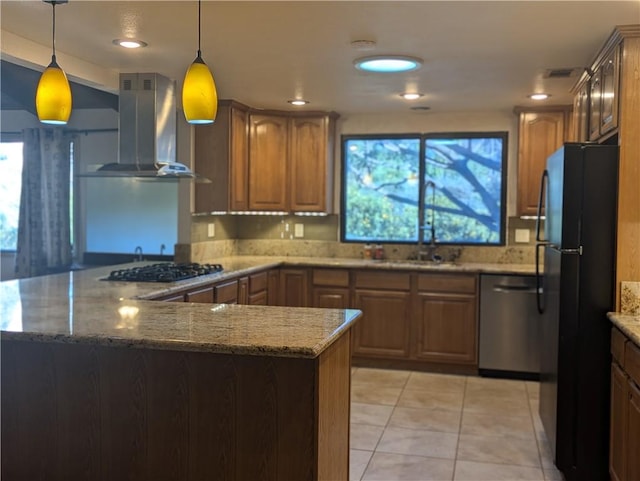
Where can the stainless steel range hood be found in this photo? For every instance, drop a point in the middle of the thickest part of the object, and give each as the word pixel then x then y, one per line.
pixel 147 131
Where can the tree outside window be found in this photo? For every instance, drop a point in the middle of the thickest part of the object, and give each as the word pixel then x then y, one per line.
pixel 386 179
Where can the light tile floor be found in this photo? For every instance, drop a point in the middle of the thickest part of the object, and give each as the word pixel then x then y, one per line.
pixel 408 425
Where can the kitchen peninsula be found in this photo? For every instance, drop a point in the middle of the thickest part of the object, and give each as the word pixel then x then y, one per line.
pixel 98 383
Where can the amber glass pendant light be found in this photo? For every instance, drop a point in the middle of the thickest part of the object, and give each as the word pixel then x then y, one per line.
pixel 199 96
pixel 53 95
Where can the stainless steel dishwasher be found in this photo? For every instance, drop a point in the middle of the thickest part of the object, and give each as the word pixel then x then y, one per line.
pixel 509 327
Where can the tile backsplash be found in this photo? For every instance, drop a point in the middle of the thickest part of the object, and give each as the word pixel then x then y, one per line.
pixel 630 298
pixel 275 235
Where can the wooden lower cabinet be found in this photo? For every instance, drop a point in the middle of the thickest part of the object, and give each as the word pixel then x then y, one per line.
pixel 226 292
pixel 624 439
pixel 203 295
pixel 383 330
pixel 331 288
pixel 293 288
pixel 273 285
pixel 633 441
pixel 619 409
pixel 446 328
pixel 331 297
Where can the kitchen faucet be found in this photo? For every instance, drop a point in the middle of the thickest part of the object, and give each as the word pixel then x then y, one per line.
pixel 138 252
pixel 162 248
pixel 430 252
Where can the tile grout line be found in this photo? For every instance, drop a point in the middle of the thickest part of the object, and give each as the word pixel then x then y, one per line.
pixel 395 404
pixel 455 459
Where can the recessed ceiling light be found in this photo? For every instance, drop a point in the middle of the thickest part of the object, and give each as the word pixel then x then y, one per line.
pixel 298 102
pixel 388 63
pixel 410 96
pixel 129 43
pixel 539 96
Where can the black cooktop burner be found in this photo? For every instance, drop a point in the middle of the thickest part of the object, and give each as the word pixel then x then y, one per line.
pixel 166 272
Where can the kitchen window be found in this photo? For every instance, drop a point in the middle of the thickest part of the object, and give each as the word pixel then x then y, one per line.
pixel 10 187
pixel 410 188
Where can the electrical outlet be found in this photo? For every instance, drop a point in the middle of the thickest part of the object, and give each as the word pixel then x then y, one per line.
pixel 298 230
pixel 211 230
pixel 522 235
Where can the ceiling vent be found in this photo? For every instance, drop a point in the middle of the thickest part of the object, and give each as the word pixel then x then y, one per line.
pixel 561 72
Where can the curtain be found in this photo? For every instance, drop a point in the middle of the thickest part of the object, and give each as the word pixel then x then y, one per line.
pixel 44 229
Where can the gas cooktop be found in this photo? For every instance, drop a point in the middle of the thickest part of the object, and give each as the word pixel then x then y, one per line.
pixel 165 272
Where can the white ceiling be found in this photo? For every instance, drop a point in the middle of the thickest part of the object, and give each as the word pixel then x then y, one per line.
pixel 478 55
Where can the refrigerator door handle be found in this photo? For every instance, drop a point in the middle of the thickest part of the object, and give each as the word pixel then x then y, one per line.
pixel 543 188
pixel 539 289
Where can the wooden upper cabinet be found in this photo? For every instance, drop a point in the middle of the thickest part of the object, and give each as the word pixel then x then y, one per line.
pixel 581 113
pixel 311 149
pixel 239 160
pixel 609 96
pixel 268 154
pixel 221 155
pixel 541 132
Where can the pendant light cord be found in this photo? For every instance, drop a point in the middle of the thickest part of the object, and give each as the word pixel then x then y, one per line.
pixel 53 42
pixel 199 26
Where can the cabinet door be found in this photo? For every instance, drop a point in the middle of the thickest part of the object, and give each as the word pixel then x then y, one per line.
pixel 226 293
pixel 309 164
pixel 258 299
pixel 541 134
pixel 618 428
pixel 581 114
pixel 268 163
pixel 633 433
pixel 273 284
pixel 331 297
pixel 609 101
pixel 447 328
pixel 595 95
pixel 294 287
pixel 383 331
pixel 221 154
pixel 204 295
pixel 243 290
pixel 239 168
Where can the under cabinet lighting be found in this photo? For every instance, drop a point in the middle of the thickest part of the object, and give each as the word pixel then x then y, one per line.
pixel 298 102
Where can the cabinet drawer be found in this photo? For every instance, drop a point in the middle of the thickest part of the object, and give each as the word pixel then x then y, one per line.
pixel 331 277
pixel 258 283
pixel 632 362
pixel 227 293
pixel 447 283
pixel 383 280
pixel 618 341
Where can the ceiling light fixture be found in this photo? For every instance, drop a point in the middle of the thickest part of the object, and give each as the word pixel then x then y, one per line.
pixel 539 96
pixel 410 96
pixel 129 43
pixel 298 102
pixel 388 63
pixel 53 95
pixel 199 96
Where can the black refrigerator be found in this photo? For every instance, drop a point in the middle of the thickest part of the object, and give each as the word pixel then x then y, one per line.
pixel 576 290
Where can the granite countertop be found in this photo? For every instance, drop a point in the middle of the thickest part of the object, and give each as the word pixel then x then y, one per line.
pixel 82 307
pixel 629 324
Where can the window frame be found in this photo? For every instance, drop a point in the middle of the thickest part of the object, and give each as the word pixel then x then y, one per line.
pixel 424 137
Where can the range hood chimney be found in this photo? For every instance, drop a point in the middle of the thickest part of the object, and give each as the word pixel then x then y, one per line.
pixel 147 131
